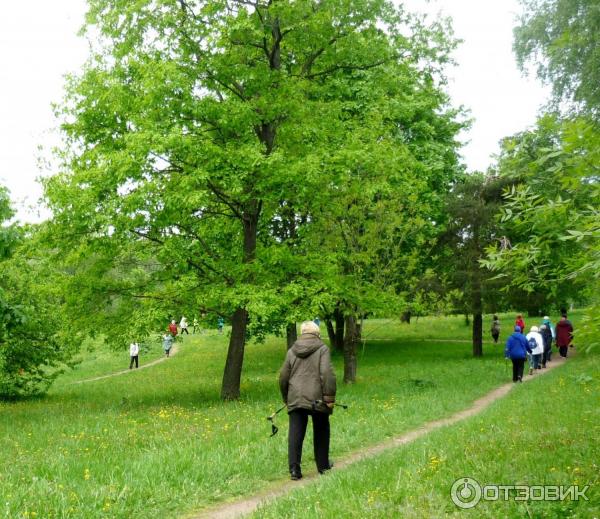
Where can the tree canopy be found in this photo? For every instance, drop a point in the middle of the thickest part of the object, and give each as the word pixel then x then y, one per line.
pixel 34 339
pixel 562 38
pixel 238 158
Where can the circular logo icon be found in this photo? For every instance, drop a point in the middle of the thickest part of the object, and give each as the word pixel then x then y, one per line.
pixel 466 492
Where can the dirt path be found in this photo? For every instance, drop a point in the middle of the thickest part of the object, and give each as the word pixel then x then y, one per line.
pixel 248 505
pixel 174 351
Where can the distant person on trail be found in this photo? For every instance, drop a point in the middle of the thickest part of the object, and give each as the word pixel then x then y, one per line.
pixel 516 351
pixel 173 328
pixel 549 324
pixel 220 324
pixel 536 345
pixel 495 329
pixel 564 335
pixel 547 336
pixel 308 386
pixel 196 325
pixel 167 343
pixel 520 323
pixel 183 324
pixel 134 351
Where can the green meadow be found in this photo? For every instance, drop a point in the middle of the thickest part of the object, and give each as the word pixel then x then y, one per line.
pixel 158 442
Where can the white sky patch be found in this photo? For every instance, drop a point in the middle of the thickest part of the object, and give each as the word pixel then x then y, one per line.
pixel 486 79
pixel 39 45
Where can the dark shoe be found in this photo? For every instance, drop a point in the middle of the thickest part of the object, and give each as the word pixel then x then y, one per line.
pixel 295 473
pixel 322 471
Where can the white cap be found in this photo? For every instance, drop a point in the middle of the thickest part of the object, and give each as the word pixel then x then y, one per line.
pixel 535 329
pixel 310 327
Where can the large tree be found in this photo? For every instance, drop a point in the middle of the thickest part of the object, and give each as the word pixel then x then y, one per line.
pixel 196 142
pixel 562 38
pixel 552 215
pixel 473 207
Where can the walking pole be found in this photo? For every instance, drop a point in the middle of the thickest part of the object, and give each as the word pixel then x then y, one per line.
pixel 270 418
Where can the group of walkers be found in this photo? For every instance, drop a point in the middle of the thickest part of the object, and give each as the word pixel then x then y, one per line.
pixel 169 337
pixel 536 346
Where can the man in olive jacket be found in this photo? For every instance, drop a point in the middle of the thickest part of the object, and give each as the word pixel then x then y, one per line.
pixel 307 384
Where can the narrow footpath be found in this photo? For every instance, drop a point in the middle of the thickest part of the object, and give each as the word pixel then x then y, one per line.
pixel 247 505
pixel 174 351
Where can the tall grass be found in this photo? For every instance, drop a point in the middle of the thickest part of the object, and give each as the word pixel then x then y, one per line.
pixel 159 442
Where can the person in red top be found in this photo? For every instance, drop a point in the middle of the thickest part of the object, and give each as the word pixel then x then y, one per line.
pixel 173 328
pixel 564 335
pixel 519 322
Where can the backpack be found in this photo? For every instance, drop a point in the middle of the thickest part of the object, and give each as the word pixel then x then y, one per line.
pixel 531 344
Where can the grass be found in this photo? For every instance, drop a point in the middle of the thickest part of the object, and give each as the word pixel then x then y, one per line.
pixel 543 433
pixel 95 359
pixel 159 442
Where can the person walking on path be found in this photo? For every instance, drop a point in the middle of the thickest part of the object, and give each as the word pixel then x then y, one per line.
pixel 520 323
pixel 220 323
pixel 183 324
pixel 536 345
pixel 134 351
pixel 549 324
pixel 173 328
pixel 195 325
pixel 547 336
pixel 167 343
pixel 564 335
pixel 308 387
pixel 495 329
pixel 516 350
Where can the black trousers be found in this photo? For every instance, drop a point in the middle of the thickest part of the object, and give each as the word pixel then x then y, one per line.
pixel 546 357
pixel 518 365
pixel 321 434
pixel 563 350
pixel 134 358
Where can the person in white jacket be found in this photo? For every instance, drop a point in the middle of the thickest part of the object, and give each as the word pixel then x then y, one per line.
pixel 134 351
pixel 183 324
pixel 534 338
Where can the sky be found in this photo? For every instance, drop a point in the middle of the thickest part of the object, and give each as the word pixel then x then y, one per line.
pixel 39 45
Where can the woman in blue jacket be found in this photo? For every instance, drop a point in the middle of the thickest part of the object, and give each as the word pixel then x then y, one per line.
pixel 516 350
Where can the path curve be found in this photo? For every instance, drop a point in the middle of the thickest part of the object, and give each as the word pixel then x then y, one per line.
pixel 174 351
pixel 245 506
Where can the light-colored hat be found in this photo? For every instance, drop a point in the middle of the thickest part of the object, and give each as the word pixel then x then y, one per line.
pixel 546 318
pixel 535 329
pixel 310 327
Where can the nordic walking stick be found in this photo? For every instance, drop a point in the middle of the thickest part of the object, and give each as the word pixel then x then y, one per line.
pixel 270 418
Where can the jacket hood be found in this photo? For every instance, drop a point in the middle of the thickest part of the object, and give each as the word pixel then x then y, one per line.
pixel 306 345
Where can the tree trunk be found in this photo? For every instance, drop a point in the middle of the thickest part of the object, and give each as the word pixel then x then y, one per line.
pixel 477 335
pixel 339 330
pixel 477 304
pixel 230 389
pixel 232 375
pixel 291 334
pixel 350 341
pixel 330 333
